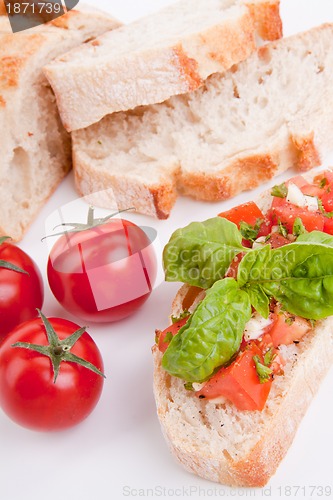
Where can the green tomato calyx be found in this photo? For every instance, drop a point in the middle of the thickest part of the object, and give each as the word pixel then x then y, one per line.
pixel 77 227
pixel 59 350
pixel 8 265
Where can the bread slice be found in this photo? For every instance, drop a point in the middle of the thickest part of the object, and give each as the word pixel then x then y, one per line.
pixel 164 54
pixel 241 448
pixel 270 112
pixel 35 148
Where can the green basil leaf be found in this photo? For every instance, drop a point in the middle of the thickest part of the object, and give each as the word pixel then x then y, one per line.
pixel 316 237
pixel 259 300
pixel 299 276
pixel 250 232
pixel 212 335
pixel 200 253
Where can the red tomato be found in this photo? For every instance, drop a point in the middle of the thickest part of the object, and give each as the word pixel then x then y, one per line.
pixel 233 268
pixel 28 393
pixel 312 190
pixel 288 329
pixel 327 174
pixel 163 337
pixel 327 198
pixel 20 293
pixel 248 212
pixel 239 383
pixel 328 225
pixel 286 213
pixel 105 273
pixel 276 240
pixel 299 181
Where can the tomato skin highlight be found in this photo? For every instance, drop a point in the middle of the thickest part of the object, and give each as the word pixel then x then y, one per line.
pixel 103 274
pixel 20 294
pixel 28 394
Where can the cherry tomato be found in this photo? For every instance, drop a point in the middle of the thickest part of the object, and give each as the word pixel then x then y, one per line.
pixel 103 273
pixel 21 293
pixel 30 396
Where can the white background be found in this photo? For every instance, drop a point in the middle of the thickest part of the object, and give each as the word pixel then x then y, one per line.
pixel 119 450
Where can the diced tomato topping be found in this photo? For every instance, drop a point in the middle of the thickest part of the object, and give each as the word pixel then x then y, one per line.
pixel 327 198
pixel 288 328
pixel 311 190
pixel 327 175
pixel 265 343
pixel 233 268
pixel 286 213
pixel 239 382
pixel 276 240
pixel 299 181
pixel 248 212
pixel 164 337
pixel 328 225
pixel 265 228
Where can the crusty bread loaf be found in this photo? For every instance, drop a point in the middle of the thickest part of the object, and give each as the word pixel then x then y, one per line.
pixel 35 148
pixel 270 112
pixel 241 448
pixel 167 53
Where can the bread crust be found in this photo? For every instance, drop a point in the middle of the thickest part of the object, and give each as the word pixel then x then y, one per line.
pixel 36 149
pixel 285 408
pixel 126 192
pixel 154 75
pixel 267 19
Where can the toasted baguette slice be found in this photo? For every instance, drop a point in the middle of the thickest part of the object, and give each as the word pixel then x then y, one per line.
pixel 271 112
pixel 35 148
pixel 241 448
pixel 164 54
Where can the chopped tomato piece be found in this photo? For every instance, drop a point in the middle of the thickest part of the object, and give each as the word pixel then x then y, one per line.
pixel 233 268
pixel 239 383
pixel 327 198
pixel 299 181
pixel 328 225
pixel 164 337
pixel 265 227
pixel 327 175
pixel 265 344
pixel 288 329
pixel 248 212
pixel 286 213
pixel 312 190
pixel 276 240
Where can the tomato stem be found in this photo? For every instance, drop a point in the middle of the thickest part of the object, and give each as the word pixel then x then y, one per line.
pixel 91 223
pixel 59 350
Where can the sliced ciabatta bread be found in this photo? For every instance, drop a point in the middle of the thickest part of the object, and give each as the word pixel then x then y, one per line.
pixel 222 444
pixel 270 112
pixel 236 447
pixel 167 53
pixel 35 148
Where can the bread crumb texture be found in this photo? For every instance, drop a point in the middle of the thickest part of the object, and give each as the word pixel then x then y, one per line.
pixel 242 448
pixel 269 113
